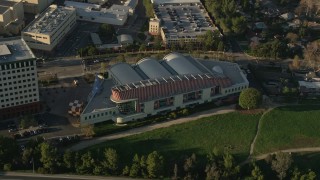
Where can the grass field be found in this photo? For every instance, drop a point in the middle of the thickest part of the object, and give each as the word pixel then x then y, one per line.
pixel 289 127
pixel 234 131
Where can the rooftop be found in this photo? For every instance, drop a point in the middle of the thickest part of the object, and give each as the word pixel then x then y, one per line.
pixel 101 100
pixel 174 65
pixel 310 85
pixel 3 9
pixel 187 20
pixel 173 1
pixel 48 21
pixel 14 49
pixel 7 3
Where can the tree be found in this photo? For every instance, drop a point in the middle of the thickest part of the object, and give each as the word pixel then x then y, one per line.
pixel 292 37
pixel 239 25
pixel 87 163
pixel 107 30
pixel 142 47
pixel 88 130
pixel 190 167
pixel 297 175
pixel 68 159
pixel 281 164
pixel 154 164
pixel 111 160
pixel 9 150
pixel 126 171
pixel 120 58
pixel 175 172
pixel 256 172
pixel 92 51
pixel 103 67
pixel 250 98
pixel 49 157
pixel 135 167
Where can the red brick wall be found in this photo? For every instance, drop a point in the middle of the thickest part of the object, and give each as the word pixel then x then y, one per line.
pixel 17 111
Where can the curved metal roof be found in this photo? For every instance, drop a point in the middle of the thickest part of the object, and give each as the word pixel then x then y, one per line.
pixel 123 73
pixel 181 64
pixel 152 68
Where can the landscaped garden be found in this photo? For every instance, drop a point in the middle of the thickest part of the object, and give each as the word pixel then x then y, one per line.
pixel 289 127
pixel 233 132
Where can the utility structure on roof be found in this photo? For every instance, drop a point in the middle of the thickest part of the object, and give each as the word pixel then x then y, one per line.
pixel 152 87
pixel 50 28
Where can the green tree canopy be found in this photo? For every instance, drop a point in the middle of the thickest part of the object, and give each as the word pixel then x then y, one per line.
pixel 107 30
pixel 250 98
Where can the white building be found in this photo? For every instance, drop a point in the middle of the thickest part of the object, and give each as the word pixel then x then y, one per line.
pixel 153 87
pixel 116 14
pixel 49 28
pixel 19 92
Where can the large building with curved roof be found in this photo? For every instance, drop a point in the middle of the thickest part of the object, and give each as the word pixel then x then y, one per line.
pixel 153 86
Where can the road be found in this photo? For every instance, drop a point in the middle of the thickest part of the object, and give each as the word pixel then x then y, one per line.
pixel 31 176
pixel 193 117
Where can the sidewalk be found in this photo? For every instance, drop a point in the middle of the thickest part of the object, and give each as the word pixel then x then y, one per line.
pixel 193 117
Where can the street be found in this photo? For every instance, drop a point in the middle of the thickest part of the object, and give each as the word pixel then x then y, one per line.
pixel 31 176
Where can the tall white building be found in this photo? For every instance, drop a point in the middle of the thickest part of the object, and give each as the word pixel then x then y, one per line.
pixel 19 92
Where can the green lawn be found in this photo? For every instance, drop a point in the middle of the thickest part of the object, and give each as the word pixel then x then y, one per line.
pixel 289 127
pixel 233 130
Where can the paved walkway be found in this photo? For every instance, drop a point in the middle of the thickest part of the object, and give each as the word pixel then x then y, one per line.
pixel 193 117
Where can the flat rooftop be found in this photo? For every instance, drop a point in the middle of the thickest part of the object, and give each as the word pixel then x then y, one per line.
pixel 101 100
pixel 14 49
pixel 186 20
pixel 310 85
pixel 173 1
pixel 3 9
pixel 49 20
pixel 7 3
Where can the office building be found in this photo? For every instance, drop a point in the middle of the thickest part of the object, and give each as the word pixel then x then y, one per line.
pixel 49 28
pixel 19 92
pixel 11 17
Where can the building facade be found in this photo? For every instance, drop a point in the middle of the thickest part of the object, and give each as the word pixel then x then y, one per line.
pixel 19 92
pixel 49 28
pixel 36 6
pixel 11 17
pixel 154 27
pixel 153 87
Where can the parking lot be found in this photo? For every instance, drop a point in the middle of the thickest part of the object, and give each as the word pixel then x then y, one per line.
pixel 57 121
pixel 78 38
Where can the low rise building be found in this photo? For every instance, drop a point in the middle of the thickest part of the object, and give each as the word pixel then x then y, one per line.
pixel 11 16
pixel 19 92
pixel 115 15
pixel 184 21
pixel 49 28
pixel 152 87
pixel 154 27
pixel 36 6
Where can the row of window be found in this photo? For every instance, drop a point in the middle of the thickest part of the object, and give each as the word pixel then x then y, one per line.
pixel 99 115
pixel 16 98
pixel 17 71
pixel 18 76
pixel 16 65
pixel 235 89
pixel 19 103
pixel 15 82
